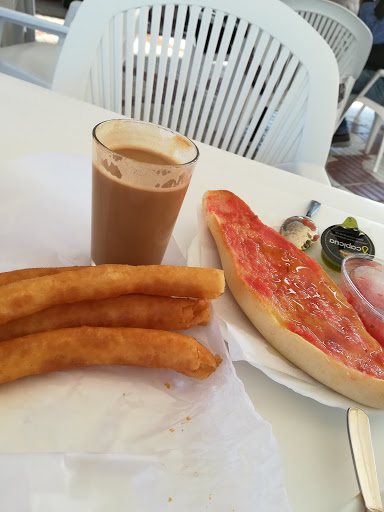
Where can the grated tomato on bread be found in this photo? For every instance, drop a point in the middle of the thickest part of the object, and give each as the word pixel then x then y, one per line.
pixel 293 302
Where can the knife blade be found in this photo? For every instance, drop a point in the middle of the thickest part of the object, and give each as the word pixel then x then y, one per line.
pixel 363 459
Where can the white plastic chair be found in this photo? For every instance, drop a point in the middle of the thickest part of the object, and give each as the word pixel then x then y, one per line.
pixel 378 120
pixel 349 38
pixel 12 34
pixel 235 75
pixel 33 61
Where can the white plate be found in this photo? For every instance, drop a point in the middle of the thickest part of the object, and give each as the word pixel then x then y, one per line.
pixel 244 341
pixel 357 504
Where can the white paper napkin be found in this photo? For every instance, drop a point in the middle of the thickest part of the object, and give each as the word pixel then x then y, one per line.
pixel 118 438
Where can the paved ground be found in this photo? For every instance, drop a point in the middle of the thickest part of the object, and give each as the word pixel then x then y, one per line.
pixel 349 168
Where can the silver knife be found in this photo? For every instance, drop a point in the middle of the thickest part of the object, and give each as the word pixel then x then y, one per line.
pixel 364 461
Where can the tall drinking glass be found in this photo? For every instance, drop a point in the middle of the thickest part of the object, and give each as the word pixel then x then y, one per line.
pixel 140 175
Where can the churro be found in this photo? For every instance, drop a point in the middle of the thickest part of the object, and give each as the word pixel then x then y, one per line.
pixel 145 311
pixel 23 298
pixel 65 349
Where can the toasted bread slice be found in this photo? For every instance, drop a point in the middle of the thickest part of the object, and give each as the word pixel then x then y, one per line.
pixel 293 302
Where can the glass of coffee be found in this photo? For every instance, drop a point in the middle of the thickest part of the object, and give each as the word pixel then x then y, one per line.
pixel 140 175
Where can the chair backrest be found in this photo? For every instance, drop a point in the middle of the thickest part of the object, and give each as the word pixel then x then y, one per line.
pixel 349 38
pixel 252 78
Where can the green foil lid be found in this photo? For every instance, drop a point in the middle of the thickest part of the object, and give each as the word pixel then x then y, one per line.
pixel 340 240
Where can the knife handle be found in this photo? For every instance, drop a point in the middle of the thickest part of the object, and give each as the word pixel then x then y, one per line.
pixel 363 458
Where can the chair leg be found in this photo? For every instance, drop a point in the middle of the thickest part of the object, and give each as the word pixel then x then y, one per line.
pixel 379 156
pixel 359 113
pixel 376 125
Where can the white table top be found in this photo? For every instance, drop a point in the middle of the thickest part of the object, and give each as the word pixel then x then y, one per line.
pixel 312 437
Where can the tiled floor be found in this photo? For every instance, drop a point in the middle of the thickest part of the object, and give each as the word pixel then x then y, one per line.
pixel 349 168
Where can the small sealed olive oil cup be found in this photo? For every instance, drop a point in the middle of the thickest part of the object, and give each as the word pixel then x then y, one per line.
pixel 341 240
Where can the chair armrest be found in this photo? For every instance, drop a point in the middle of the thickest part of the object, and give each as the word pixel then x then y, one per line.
pixel 376 76
pixel 28 21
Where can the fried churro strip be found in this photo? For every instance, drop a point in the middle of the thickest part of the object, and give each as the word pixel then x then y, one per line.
pixel 145 311
pixel 64 349
pixel 30 273
pixel 26 297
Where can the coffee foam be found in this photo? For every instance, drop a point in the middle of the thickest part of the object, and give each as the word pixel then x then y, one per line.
pixel 129 133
